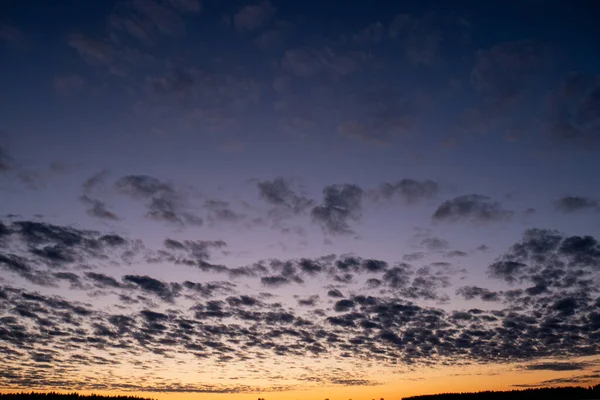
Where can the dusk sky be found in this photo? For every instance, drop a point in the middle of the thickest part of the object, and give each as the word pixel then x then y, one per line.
pixel 299 199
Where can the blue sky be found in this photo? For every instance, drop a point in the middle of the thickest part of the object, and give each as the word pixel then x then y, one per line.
pixel 305 155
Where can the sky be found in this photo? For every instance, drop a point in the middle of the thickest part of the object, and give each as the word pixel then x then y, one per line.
pixel 299 199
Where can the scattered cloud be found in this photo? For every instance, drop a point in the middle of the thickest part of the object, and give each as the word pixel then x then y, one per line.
pixel 342 204
pixel 139 303
pixel 504 75
pixel 556 366
pixel 381 113
pixel 473 292
pixel 434 243
pixel 253 16
pixel 410 191
pixel 571 204
pixel 145 20
pixel 471 208
pixel 285 202
pixel 421 39
pixel 504 70
pixel 6 162
pixel 163 201
pixel 372 314
pixel 98 209
pixel 94 52
pixel 573 119
pixel 312 61
pixel 270 39
pixel 371 35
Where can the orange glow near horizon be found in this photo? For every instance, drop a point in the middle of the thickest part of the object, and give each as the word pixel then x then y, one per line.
pixel 470 378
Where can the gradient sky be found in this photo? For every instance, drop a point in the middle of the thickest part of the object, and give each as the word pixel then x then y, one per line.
pixel 292 199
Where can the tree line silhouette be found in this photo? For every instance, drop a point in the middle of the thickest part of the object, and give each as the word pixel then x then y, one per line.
pixel 557 393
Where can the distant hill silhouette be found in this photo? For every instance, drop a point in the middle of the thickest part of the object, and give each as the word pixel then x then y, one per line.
pixel 63 396
pixel 559 393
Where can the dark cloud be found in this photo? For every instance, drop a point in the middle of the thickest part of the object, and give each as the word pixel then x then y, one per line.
pixel 341 205
pixel 334 293
pixel 163 201
pixel 153 286
pixel 384 324
pixel 97 208
pixel 556 366
pixel 4 230
pixel 196 250
pixel 504 69
pixel 270 39
pixel 95 52
pixel 569 391
pixel 186 5
pixel 113 240
pixel 472 208
pixel 54 245
pixel 44 248
pixel 102 281
pixel 374 266
pixel 72 278
pixel 503 75
pixel 14 169
pixel 243 300
pixel 421 39
pixel 95 182
pixel 221 211
pixel 571 204
pixel 146 20
pixel 5 160
pixel 409 190
pixel 434 243
pixel 398 276
pixel 253 16
pixel 279 193
pixel 348 264
pixel 212 97
pixel 142 186
pixel 370 35
pixel 456 253
pixel 163 18
pixel 472 292
pixel 21 267
pixel 309 62
pixel 573 117
pixel 310 301
pixel 413 256
pixel 506 270
pixel 310 267
pixel 381 113
pixel 212 289
pixel 560 272
pixel 343 305
pixel 274 281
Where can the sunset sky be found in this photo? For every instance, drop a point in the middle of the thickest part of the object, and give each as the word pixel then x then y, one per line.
pixel 299 199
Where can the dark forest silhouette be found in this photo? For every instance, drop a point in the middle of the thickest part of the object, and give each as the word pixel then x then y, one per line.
pixel 558 393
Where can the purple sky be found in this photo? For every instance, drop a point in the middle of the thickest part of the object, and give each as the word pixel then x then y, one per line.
pixel 224 185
